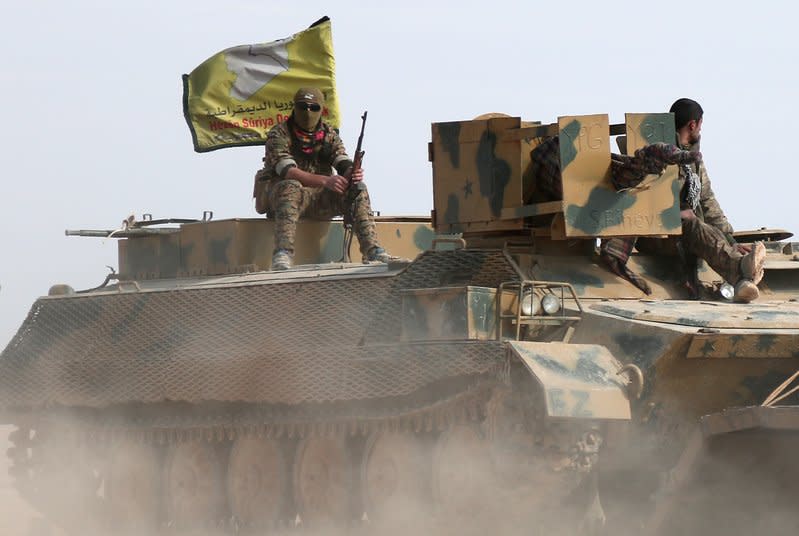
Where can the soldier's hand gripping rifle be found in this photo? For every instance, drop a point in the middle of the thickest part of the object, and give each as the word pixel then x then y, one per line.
pixel 353 190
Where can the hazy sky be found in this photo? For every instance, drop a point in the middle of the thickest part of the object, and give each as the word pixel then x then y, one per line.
pixel 93 128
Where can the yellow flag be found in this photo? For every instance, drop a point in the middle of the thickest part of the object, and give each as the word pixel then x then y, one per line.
pixel 234 97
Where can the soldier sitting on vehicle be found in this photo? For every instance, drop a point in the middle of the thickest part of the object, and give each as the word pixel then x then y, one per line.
pixel 706 233
pixel 307 173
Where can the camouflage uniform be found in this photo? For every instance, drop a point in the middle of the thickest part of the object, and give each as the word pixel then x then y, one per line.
pixel 709 235
pixel 288 200
pixel 544 172
pixel 626 171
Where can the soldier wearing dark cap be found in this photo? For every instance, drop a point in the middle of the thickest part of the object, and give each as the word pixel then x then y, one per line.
pixel 706 232
pixel 306 173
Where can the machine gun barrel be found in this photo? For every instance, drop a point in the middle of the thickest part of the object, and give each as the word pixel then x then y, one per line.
pixel 119 233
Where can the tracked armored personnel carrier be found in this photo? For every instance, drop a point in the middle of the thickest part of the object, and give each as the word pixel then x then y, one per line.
pixel 503 378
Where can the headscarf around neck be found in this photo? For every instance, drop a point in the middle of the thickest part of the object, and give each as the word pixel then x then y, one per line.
pixel 310 142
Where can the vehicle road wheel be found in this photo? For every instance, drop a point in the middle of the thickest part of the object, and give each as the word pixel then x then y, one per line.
pixel 256 481
pixel 323 481
pixel 193 485
pixel 461 472
pixel 395 476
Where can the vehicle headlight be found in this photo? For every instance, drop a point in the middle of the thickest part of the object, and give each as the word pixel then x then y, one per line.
pixel 531 304
pixel 551 304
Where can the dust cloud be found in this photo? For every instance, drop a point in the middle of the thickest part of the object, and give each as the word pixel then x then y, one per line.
pixel 506 512
pixel 17 517
pixel 747 484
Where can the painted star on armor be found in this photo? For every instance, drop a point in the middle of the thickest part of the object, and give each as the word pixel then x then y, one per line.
pixel 707 348
pixel 467 189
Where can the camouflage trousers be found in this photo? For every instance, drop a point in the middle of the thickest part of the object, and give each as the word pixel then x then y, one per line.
pixel 289 201
pixel 703 241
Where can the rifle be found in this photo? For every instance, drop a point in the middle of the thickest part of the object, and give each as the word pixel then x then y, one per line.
pixel 359 152
pixel 352 193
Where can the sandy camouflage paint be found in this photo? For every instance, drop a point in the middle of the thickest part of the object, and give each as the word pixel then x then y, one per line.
pixel 591 206
pixel 477 173
pixel 246 245
pixel 580 381
pixel 454 313
pixel 479 182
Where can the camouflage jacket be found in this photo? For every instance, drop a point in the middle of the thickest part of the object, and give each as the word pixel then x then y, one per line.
pixel 284 151
pixel 709 209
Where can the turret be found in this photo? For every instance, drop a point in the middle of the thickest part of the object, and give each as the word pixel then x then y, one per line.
pixel 484 185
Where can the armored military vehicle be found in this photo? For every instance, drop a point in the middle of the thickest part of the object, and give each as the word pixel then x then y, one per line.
pixel 503 378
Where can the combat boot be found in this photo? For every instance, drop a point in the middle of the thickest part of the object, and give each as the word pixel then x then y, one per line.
pixel 281 260
pixel 745 291
pixel 752 263
pixel 378 254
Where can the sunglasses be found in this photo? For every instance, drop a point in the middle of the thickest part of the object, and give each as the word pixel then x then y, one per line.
pixel 307 106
